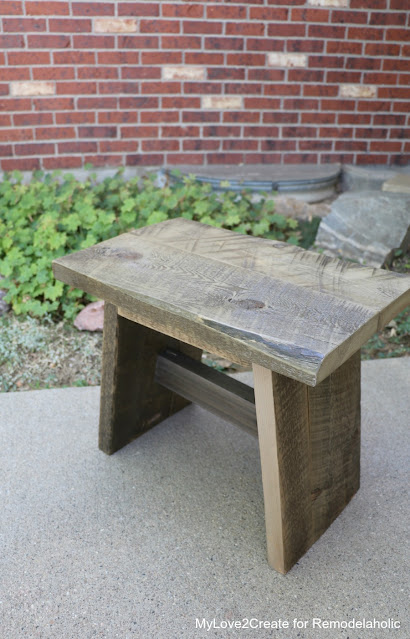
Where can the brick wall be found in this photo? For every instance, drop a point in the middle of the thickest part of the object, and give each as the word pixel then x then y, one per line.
pixel 160 82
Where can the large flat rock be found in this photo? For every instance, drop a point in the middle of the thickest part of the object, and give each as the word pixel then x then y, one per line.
pixel 366 226
pixel 363 178
pixel 171 528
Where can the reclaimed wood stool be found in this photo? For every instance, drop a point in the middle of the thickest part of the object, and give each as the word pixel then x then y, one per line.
pixel 299 318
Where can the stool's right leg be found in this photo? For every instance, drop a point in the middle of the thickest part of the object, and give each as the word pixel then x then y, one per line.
pixel 309 440
pixel 131 402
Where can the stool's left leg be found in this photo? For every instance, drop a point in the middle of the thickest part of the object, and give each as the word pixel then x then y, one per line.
pixel 131 402
pixel 309 441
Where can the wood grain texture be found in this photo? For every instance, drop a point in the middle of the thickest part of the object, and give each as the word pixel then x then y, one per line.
pixel 220 394
pixel 252 300
pixel 131 402
pixel 309 440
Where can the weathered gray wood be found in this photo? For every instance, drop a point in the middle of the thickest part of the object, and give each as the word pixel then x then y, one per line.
pixel 252 300
pixel 215 391
pixel 131 402
pixel 309 440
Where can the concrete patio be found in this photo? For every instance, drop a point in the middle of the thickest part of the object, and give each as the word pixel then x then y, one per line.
pixel 171 528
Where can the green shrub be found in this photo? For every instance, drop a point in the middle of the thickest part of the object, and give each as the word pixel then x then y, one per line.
pixel 56 214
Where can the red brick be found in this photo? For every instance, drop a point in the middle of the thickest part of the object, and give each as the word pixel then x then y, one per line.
pixel 394 93
pixel 160 87
pixel 400 133
pixel 30 119
pixel 97 131
pixel 38 8
pixel 201 145
pixel 224 12
pixel 53 73
pixel 380 78
pixel 91 9
pixel 107 88
pixel 12 135
pixel 97 103
pixel 118 146
pixel 75 146
pixel 245 29
pixel 320 89
pixel 181 42
pixel 364 4
pixel 161 57
pixel 300 158
pixel 384 18
pixel 280 117
pixel 160 145
pixel 241 117
pixel 62 163
pixel 82 117
pixel 76 88
pixel 264 44
pixel 404 78
pixel 300 104
pixel 11 42
pixel 181 103
pixel 306 46
pixel 11 8
pixel 182 11
pixel 240 145
pixel 12 74
pixel 348 48
pixel 261 131
pixel 34 149
pixel 53 104
pixel 400 107
pixel 310 15
pixel 117 117
pixel 372 159
pixel 346 158
pixel 315 145
pixel 225 158
pixel 343 76
pixel 374 105
pixel 305 75
pixel 159 26
pixel 105 73
pixel 227 74
pixel 398 35
pixel 159 117
pixel 278 145
pixel 138 73
pixel 326 31
pixel 26 164
pixel 266 75
pixel 350 17
pixel 180 131
pixel 282 89
pixel 205 88
pixel 185 158
pixel 104 160
pixel 118 57
pixel 5 120
pixel 225 44
pixel 139 103
pixel 389 119
pixel 333 132
pixel 138 42
pixel 399 5
pixel 24 25
pixel 268 13
pixel 387 147
pixel 318 118
pixel 4 89
pixel 392 65
pixel 363 63
pixel 201 116
pixel 91 41
pixel 139 132
pixel 198 26
pixel 6 150
pixel 153 159
pixel 74 57
pixel 338 105
pixel 245 59
pixel 262 158
pixel 204 58
pixel 382 49
pixel 362 33
pixel 15 104
pixel 139 9
pixel 48 41
pixel 286 30
pixel 350 145
pixel 54 133
pixel 262 103
pixel 78 25
pixel 326 62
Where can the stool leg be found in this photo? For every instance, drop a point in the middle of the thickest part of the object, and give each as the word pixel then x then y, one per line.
pixel 131 402
pixel 309 441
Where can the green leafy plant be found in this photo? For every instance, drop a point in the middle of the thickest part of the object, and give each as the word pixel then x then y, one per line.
pixel 56 214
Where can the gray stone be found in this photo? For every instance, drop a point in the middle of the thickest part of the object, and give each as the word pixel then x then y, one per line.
pixel 4 307
pixel 292 207
pixel 91 318
pixel 366 227
pixel 171 528
pixel 400 183
pixel 364 178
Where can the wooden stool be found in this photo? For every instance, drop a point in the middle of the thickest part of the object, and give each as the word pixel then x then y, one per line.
pixel 299 318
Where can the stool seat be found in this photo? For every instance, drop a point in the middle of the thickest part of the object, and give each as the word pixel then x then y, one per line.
pixel 253 300
pixel 299 318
